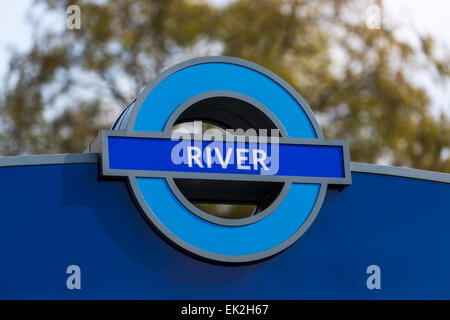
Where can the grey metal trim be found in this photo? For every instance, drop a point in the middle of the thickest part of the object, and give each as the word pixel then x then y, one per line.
pixel 222 93
pixel 228 222
pixel 106 171
pixel 148 214
pixel 400 172
pixel 49 159
pixel 74 158
pixel 222 176
pixel 231 60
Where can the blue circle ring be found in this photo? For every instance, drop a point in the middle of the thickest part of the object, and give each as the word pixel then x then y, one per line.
pixel 244 243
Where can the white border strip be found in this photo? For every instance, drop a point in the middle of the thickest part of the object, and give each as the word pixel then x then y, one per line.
pixel 49 159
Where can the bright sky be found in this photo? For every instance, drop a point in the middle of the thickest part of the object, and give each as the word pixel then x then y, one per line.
pixel 424 16
pixel 15 31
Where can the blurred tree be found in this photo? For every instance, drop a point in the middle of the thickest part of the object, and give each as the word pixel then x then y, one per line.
pixel 357 80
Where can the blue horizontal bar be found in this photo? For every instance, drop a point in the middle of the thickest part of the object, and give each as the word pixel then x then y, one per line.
pixel 165 155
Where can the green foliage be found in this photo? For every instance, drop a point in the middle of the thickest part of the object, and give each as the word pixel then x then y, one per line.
pixel 357 80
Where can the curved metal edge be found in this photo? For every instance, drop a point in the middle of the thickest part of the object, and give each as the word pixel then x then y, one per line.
pixel 400 172
pixel 222 258
pixel 49 159
pixel 223 221
pixel 222 93
pixel 231 60
pixel 179 195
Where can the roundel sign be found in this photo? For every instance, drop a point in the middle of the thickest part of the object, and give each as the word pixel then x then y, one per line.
pixel 263 147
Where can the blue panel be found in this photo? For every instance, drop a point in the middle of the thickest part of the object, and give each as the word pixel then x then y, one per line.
pixel 129 153
pixel 59 215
